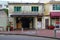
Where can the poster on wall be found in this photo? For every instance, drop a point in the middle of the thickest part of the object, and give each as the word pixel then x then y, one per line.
pixel 39 24
pixel 57 24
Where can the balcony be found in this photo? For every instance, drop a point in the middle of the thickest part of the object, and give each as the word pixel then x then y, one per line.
pixel 26 13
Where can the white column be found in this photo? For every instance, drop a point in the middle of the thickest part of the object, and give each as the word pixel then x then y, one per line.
pixel 43 23
pixel 14 23
pixel 35 22
pixel 55 22
pixel 49 21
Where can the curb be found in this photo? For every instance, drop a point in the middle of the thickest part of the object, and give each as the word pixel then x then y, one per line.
pixel 30 35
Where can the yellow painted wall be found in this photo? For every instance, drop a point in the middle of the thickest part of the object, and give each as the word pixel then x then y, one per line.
pixel 46 9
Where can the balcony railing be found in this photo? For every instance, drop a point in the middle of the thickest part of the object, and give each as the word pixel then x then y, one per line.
pixel 26 12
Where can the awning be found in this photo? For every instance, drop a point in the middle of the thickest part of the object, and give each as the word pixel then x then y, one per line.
pixel 24 14
pixel 54 14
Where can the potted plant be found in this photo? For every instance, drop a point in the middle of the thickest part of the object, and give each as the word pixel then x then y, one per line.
pixel 8 27
pixel 51 27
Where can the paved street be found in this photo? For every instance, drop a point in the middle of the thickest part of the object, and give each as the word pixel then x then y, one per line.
pixel 20 37
pixel 45 33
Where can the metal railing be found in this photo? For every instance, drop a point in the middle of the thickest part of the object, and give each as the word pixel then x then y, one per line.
pixel 27 12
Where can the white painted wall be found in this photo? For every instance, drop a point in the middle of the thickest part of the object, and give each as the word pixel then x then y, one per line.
pixel 43 23
pixel 3 21
pixel 25 8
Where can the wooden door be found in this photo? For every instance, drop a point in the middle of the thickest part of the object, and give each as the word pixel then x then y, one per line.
pixel 46 23
pixel 19 25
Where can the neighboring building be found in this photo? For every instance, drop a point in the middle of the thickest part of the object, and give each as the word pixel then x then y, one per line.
pixel 46 17
pixel 3 20
pixel 53 10
pixel 3 4
pixel 26 15
pixel 3 15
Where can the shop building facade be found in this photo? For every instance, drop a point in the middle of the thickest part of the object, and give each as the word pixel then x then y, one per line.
pixel 26 15
pixel 54 13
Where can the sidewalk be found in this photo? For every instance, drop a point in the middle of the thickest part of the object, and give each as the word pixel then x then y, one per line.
pixel 43 33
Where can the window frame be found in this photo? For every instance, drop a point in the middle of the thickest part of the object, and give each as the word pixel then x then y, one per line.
pixel 17 9
pixel 34 8
pixel 56 6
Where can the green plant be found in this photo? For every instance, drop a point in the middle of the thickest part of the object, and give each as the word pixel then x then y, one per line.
pixel 8 25
pixel 6 10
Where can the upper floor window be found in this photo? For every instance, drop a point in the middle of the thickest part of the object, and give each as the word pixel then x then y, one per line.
pixel 56 7
pixel 17 9
pixel 34 8
pixel 6 6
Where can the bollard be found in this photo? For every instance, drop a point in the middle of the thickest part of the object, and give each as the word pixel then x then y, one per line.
pixel 36 31
pixel 55 33
pixel 22 29
pixel 8 29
